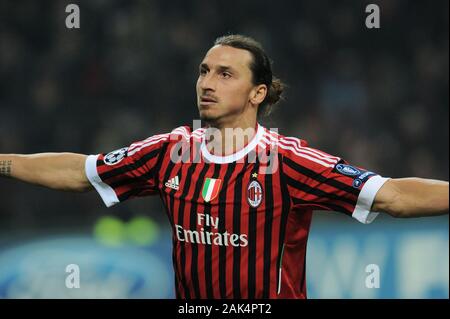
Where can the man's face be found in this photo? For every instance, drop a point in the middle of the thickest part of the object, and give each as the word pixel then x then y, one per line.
pixel 224 83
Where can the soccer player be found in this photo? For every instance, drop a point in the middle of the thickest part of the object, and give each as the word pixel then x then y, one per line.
pixel 239 197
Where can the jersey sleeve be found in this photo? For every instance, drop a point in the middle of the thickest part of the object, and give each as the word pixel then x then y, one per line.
pixel 127 172
pixel 317 180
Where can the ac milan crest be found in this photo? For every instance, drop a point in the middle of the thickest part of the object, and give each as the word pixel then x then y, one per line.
pixel 254 193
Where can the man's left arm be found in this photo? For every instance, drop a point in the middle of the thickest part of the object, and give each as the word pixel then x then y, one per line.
pixel 412 197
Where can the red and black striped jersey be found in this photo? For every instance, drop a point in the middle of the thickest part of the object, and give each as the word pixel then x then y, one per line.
pixel 240 222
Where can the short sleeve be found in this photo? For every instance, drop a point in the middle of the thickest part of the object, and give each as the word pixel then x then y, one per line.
pixel 127 172
pixel 320 181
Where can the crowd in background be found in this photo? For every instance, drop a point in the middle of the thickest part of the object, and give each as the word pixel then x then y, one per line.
pixel 375 97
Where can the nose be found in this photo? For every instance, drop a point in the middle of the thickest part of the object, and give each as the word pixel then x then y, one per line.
pixel 207 82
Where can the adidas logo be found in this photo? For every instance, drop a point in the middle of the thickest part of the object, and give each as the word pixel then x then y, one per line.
pixel 173 183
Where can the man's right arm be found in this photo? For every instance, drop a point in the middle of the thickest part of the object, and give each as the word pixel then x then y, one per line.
pixel 60 171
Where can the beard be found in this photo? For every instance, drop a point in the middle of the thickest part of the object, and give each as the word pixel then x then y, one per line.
pixel 217 114
pixel 209 117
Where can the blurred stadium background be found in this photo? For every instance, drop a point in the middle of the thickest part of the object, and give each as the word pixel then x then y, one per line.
pixel 378 98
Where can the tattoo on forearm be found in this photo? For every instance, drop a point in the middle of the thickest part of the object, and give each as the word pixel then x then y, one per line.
pixel 5 168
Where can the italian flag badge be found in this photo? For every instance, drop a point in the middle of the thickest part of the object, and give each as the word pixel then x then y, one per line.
pixel 211 189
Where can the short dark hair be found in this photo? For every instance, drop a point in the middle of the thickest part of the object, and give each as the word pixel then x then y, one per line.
pixel 261 67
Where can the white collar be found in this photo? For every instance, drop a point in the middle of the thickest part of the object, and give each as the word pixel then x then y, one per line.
pixel 235 156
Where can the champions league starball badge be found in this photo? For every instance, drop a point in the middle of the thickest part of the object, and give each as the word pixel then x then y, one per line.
pixel 116 156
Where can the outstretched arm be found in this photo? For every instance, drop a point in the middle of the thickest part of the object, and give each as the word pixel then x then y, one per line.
pixel 412 197
pixel 61 171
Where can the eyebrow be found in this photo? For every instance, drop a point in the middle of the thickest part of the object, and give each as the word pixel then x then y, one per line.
pixel 221 68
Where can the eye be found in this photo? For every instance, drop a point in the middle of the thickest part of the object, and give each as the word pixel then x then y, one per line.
pixel 225 75
pixel 202 71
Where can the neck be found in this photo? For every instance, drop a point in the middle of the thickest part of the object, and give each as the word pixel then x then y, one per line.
pixel 229 137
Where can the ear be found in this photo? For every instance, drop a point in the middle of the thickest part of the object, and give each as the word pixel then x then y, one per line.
pixel 258 94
